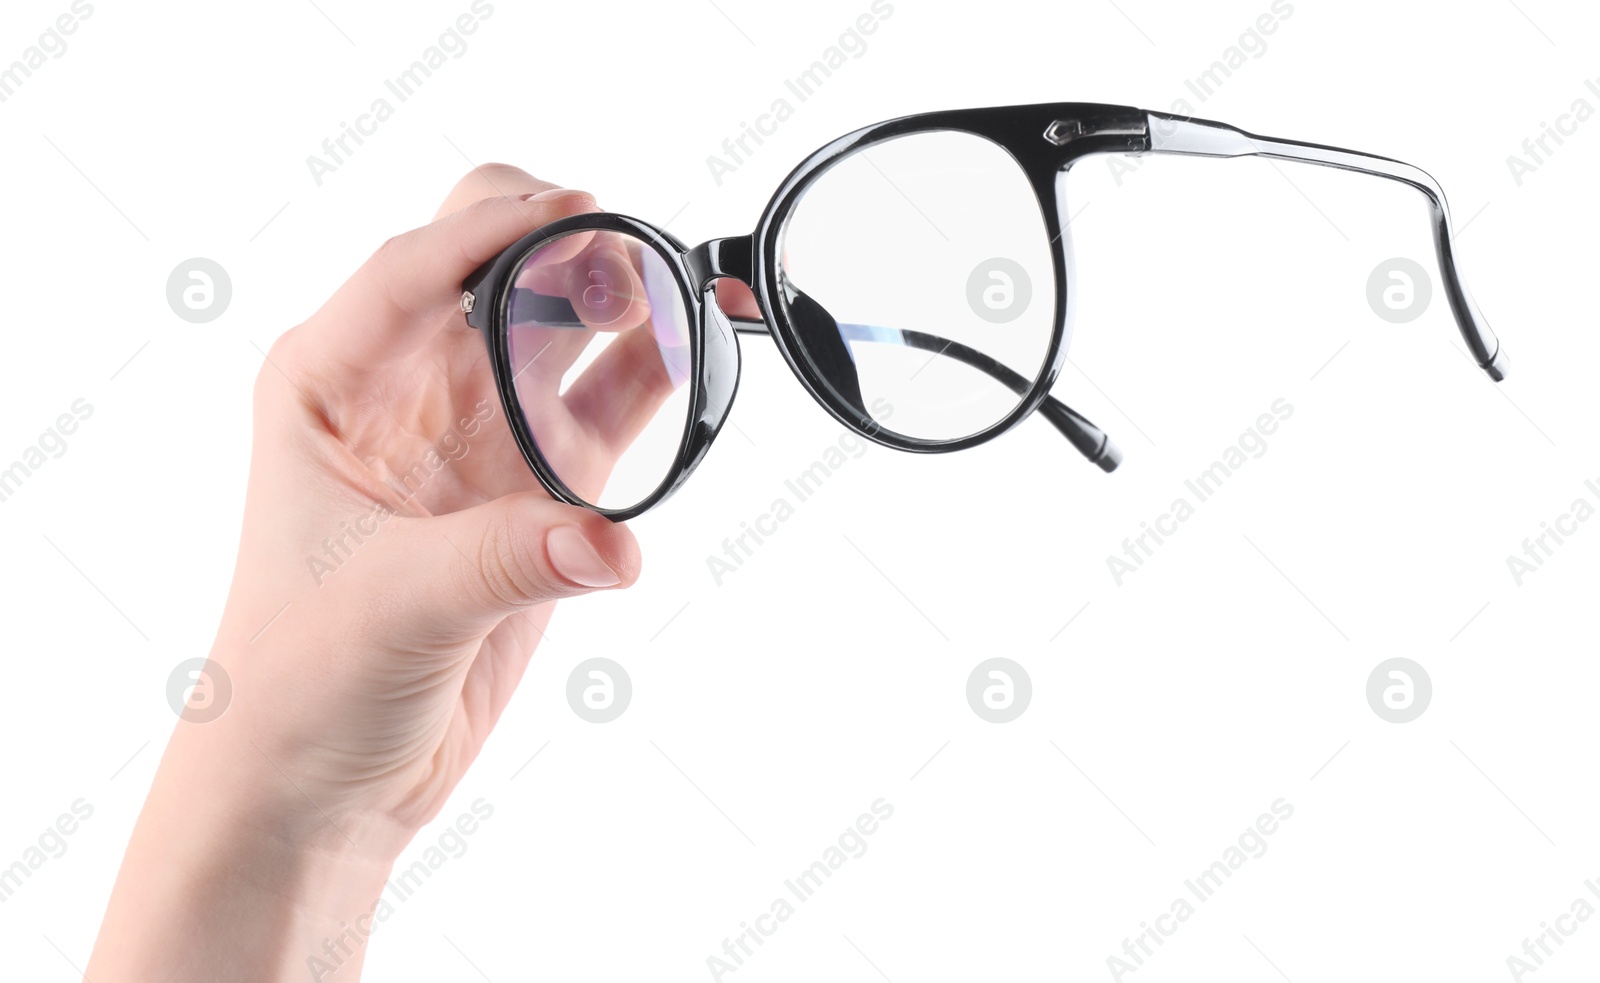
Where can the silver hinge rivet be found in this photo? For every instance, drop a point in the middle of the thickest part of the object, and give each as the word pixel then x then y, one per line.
pixel 1063 130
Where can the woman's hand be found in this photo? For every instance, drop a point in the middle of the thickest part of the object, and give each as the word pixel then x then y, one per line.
pixel 396 570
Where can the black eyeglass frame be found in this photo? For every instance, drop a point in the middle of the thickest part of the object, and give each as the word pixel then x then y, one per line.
pixel 1045 141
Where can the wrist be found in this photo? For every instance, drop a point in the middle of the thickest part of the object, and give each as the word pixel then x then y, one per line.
pixel 231 857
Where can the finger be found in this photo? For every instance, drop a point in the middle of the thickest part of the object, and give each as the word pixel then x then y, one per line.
pixel 605 288
pixel 601 283
pixel 606 258
pixel 411 287
pixel 736 300
pixel 542 353
pixel 491 181
pixel 484 563
pixel 618 395
pixel 594 272
pixel 541 356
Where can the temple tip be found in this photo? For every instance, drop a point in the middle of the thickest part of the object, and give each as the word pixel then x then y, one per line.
pixel 1109 458
pixel 1498 366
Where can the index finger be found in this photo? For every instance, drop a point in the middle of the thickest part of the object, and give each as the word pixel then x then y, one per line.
pixel 410 288
pixel 491 181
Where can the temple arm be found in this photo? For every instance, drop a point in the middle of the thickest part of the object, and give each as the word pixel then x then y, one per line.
pixel 1204 138
pixel 1090 440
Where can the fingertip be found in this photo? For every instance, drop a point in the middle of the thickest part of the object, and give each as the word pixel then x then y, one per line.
pixel 576 560
pixel 571 201
pixel 617 543
pixel 593 555
pixel 490 225
pixel 491 180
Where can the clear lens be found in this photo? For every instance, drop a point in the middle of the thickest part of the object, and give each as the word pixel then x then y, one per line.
pixel 599 345
pixel 910 259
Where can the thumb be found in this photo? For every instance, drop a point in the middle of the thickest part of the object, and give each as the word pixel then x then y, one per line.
pixel 522 549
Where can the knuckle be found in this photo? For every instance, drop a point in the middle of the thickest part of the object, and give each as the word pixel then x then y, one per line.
pixel 510 570
pixel 384 271
pixel 281 359
pixel 387 252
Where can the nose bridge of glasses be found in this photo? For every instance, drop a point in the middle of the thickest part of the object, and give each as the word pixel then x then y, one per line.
pixel 731 257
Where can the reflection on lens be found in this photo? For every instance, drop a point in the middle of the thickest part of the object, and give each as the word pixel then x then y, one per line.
pixel 599 347
pixel 907 262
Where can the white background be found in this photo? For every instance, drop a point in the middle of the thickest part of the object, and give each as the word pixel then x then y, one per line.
pixel 770 711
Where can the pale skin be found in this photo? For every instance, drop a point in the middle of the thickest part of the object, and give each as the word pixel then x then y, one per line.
pixel 357 708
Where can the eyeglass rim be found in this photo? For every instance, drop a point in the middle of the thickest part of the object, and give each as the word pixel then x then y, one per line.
pixel 1014 133
pixel 699 426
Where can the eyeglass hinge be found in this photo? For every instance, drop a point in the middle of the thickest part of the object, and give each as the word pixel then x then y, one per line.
pixel 468 299
pixel 1063 131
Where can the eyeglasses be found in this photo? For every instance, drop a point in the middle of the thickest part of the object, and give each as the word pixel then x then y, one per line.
pixel 915 274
